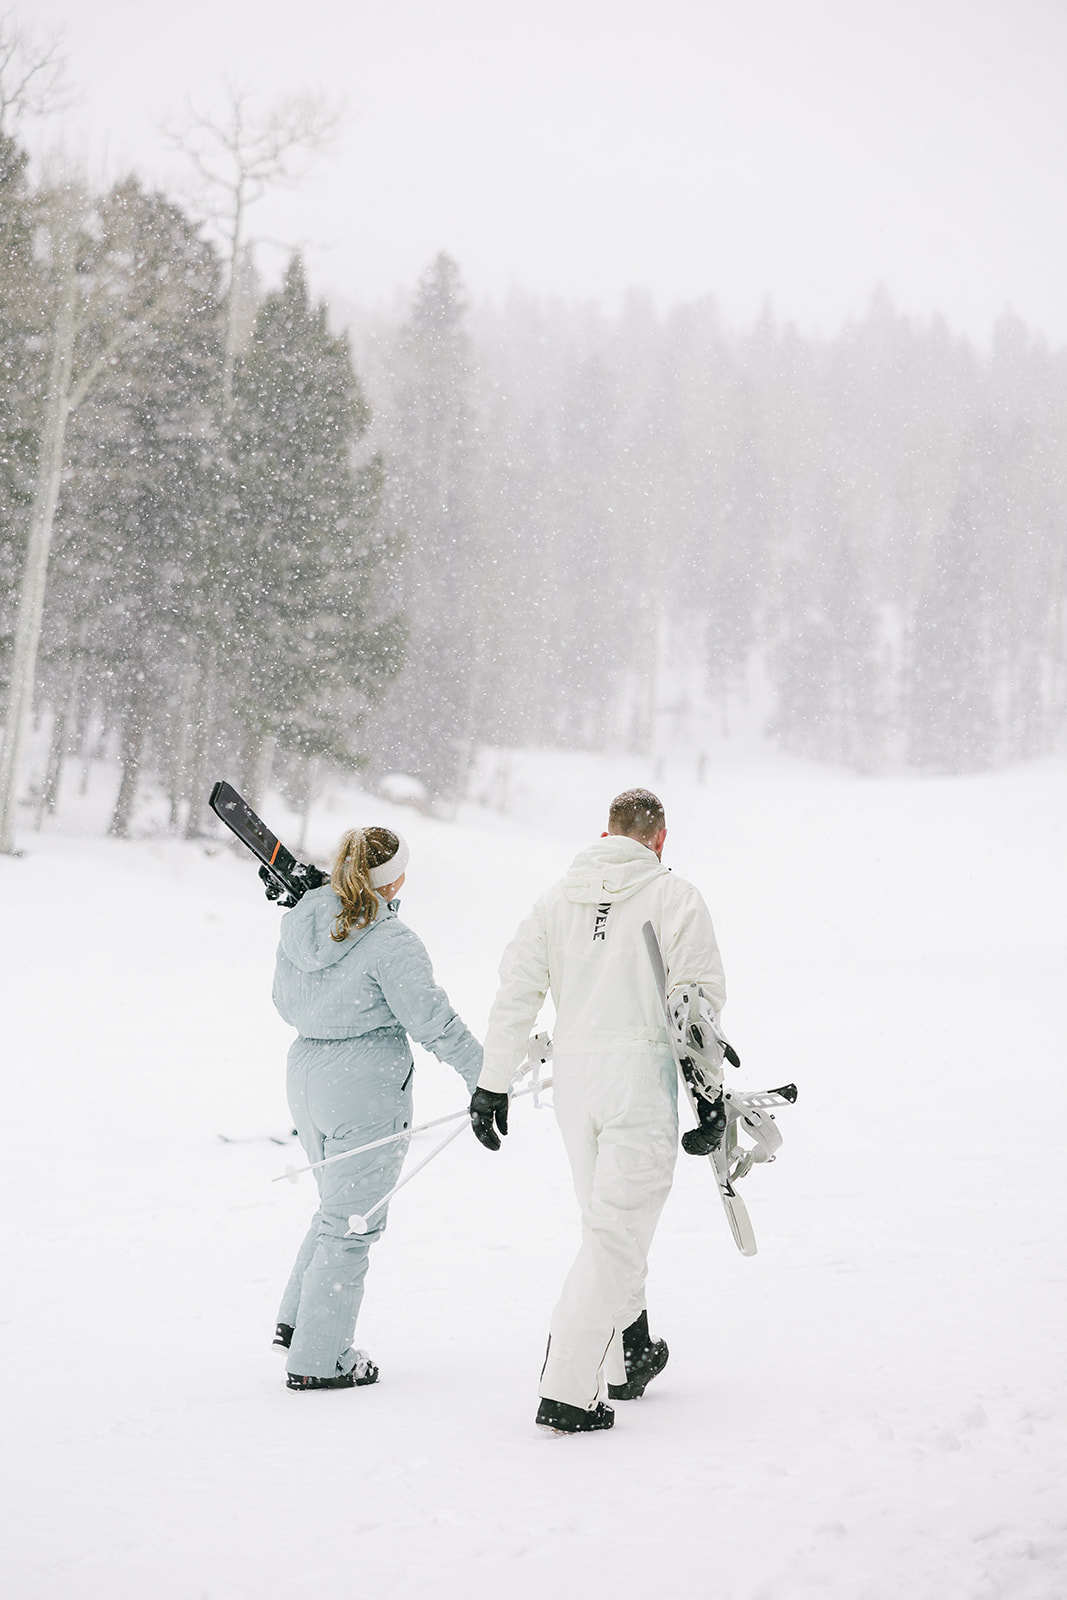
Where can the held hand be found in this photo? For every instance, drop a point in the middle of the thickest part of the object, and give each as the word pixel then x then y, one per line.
pixel 313 878
pixel 488 1107
pixel 702 1140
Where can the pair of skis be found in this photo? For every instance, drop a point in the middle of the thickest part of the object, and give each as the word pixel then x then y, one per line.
pixel 750 1112
pixel 291 877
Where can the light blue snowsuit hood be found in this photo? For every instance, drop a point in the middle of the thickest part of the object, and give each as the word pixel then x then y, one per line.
pixel 378 981
pixel 308 940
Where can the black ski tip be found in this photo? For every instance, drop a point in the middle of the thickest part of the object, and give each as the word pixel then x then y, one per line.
pixel 788 1091
pixel 223 798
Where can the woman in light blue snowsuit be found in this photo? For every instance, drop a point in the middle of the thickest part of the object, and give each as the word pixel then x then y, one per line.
pixel 354 981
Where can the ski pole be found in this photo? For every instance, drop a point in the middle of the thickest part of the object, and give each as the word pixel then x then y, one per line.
pixel 538 1055
pixel 359 1224
pixel 293 1173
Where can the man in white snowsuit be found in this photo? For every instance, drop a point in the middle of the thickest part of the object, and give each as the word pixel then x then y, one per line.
pixel 615 1089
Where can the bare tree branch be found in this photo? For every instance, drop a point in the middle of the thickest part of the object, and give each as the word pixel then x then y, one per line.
pixel 239 156
pixel 32 74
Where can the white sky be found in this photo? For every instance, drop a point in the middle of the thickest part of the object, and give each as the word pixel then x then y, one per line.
pixel 802 150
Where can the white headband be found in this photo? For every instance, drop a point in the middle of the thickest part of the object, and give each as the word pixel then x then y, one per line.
pixel 391 870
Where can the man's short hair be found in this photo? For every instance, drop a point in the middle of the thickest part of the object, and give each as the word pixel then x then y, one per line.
pixel 638 814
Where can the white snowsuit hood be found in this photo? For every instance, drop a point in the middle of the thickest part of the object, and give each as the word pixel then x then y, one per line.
pixel 612 869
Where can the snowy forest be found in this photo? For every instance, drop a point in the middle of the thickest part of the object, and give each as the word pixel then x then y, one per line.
pixel 245 532
pixel 338 462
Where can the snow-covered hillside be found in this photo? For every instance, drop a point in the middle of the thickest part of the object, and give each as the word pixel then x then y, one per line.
pixel 875 1406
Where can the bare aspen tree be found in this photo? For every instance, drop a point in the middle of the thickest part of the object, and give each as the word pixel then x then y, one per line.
pixel 31 83
pixel 42 516
pixel 237 157
pixel 89 326
pixel 32 73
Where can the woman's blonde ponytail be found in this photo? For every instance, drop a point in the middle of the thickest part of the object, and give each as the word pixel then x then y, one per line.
pixel 359 852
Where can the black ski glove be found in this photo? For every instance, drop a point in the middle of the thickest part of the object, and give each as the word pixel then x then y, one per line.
pixel 488 1107
pixel 702 1140
pixel 313 878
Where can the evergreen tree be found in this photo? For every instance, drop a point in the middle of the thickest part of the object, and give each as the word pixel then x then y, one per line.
pixel 951 723
pixel 308 645
pixel 432 715
pixel 824 660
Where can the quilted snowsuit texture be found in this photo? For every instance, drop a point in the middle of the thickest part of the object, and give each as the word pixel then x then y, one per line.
pixel 615 1080
pixel 349 1082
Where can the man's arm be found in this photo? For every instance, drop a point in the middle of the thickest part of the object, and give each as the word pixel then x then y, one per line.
pixel 523 986
pixel 690 948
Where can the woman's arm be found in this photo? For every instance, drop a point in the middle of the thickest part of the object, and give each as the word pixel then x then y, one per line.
pixel 524 982
pixel 404 974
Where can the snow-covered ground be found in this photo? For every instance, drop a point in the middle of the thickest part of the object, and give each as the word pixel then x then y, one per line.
pixel 873 1407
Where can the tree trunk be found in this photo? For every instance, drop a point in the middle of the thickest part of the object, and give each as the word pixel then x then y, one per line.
pixel 201 744
pixel 61 732
pixel 86 737
pixel 310 773
pixel 178 777
pixel 257 766
pixel 35 572
pixel 134 729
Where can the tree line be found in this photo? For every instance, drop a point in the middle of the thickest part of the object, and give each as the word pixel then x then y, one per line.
pixel 222 551
pixel 638 530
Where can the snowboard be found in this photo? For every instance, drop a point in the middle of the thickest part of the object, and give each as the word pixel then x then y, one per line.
pixel 750 1111
pixel 293 877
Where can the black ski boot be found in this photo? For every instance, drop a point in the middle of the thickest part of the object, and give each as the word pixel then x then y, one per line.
pixel 362 1373
pixel 705 1138
pixel 283 1336
pixel 555 1416
pixel 644 1359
